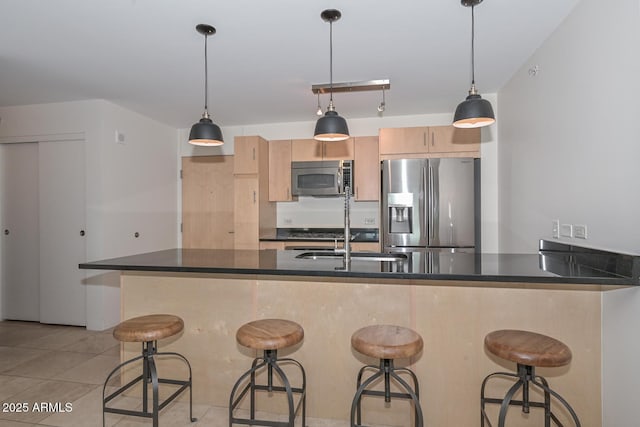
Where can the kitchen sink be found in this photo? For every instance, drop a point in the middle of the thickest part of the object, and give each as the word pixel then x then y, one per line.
pixel 359 256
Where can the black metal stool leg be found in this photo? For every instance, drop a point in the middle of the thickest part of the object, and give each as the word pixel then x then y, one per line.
pixel 149 376
pixel 526 377
pixel 358 383
pixel 560 399
pixel 358 396
pixel 272 363
pixel 484 400
pixel 386 370
pixel 414 393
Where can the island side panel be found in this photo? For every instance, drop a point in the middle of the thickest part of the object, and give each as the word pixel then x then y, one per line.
pixel 452 319
pixel 453 322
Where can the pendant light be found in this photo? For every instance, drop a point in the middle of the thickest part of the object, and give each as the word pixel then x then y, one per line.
pixel 331 127
pixel 473 112
pixel 205 132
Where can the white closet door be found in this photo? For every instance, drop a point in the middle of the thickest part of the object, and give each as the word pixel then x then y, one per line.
pixel 20 241
pixel 62 241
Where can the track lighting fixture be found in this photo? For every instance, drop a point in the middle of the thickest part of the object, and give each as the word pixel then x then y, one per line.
pixel 383 104
pixel 319 110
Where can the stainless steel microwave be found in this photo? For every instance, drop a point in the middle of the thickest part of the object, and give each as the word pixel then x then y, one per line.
pixel 321 178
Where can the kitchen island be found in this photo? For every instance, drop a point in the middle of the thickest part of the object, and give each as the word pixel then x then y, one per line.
pixel 452 299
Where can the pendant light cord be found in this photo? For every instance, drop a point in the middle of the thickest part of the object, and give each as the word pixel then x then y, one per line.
pixel 331 62
pixel 206 80
pixel 473 55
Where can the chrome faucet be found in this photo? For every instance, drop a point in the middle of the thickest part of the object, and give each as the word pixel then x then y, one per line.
pixel 346 247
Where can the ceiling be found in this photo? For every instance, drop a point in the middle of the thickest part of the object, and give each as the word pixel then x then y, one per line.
pixel 146 56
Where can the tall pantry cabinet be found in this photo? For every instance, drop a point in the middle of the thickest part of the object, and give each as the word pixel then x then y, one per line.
pixel 253 213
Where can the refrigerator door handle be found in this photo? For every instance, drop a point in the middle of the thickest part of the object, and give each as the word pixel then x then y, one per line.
pixel 426 191
pixel 434 223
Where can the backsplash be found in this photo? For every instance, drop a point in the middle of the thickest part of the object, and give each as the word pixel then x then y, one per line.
pixel 318 212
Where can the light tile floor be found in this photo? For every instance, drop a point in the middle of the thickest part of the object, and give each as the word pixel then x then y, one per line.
pixel 67 365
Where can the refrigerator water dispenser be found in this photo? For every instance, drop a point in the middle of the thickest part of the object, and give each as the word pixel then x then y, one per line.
pixel 400 207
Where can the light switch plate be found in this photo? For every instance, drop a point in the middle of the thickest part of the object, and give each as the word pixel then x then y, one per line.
pixel 566 230
pixel 555 228
pixel 580 231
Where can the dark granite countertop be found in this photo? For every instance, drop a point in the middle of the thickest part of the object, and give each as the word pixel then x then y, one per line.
pixel 544 267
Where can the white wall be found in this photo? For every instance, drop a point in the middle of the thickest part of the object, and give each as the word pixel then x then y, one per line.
pixel 569 150
pixel 129 187
pixel 304 212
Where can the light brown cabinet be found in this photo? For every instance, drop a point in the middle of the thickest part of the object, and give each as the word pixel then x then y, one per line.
pixel 428 140
pixel 280 171
pixel 306 150
pixel 449 139
pixel 366 168
pixel 254 215
pixel 250 152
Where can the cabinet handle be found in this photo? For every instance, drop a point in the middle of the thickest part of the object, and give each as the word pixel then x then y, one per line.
pixel 6 231
pixel 82 233
pixel 433 138
pixel 356 192
pixel 254 153
pixel 136 234
pixel 254 197
pixel 424 139
pixel 288 196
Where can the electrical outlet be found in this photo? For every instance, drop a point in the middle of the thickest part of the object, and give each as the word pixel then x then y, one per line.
pixel 288 221
pixel 119 137
pixel 580 231
pixel 566 230
pixel 369 221
pixel 555 228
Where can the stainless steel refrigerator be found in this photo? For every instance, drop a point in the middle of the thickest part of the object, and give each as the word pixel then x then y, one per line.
pixel 431 204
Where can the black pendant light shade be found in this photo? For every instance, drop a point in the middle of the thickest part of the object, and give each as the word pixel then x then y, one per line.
pixel 205 132
pixel 331 126
pixel 474 111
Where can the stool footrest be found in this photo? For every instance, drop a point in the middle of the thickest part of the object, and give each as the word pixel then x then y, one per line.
pixel 383 394
pixel 184 385
pixel 149 376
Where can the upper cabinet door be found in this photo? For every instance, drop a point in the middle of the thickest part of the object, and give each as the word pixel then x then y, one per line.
pixel 307 150
pixel 246 155
pixel 280 171
pixel 449 139
pixel 404 140
pixel 366 169
pixel 338 150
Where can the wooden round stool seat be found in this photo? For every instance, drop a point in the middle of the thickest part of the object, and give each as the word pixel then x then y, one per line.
pixel 387 341
pixel 270 334
pixel 148 328
pixel 528 348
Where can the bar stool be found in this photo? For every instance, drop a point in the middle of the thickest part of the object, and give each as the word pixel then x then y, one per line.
pixel 269 336
pixel 386 342
pixel 148 330
pixel 528 350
